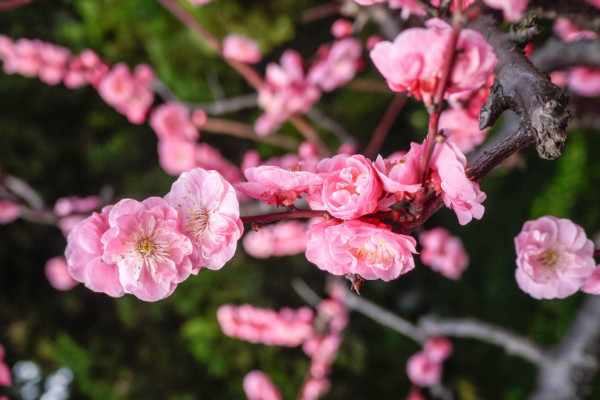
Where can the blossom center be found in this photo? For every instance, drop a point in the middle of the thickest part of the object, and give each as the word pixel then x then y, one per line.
pixel 198 222
pixel 150 251
pixel 551 257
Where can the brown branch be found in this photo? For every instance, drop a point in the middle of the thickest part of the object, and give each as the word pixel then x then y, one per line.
pixel 574 362
pixel 244 131
pixel 557 55
pixel 523 88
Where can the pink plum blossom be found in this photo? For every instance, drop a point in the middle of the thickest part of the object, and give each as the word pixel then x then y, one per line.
pixel 358 247
pixel 68 205
pixel 443 252
pixel 314 388
pixel 259 325
pixel 145 243
pixel 595 3
pixel 68 223
pixel 338 67
pixel 351 186
pixel 512 9
pixel 285 92
pixel 176 156
pixel 585 81
pixel 281 239
pixel 9 211
pixel 127 93
pixel 199 118
pixel 341 28
pixel 464 128
pixel 399 173
pixel 171 121
pixel 570 32
pixel 5 377
pixel 258 386
pixel 554 258
pixel 423 371
pixel 414 61
pixel 415 394
pixel 592 284
pixel 84 256
pixel 242 49
pixel 58 275
pixel 438 349
pixel 209 216
pixel 278 186
pixel 448 164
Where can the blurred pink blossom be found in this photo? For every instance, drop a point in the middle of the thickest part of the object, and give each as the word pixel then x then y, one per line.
pixel 285 92
pixel 585 81
pixel 438 349
pixel 341 28
pixel 145 243
pixel 5 377
pixel 443 252
pixel 314 388
pixel 258 386
pixel 208 157
pixel 127 93
pixel 209 215
pixel 464 128
pixel 285 238
pixel 242 49
pixel 358 247
pixel 592 284
pixel 68 205
pixel 171 121
pixel 68 223
pixel 258 325
pixel 554 258
pixel 9 211
pixel 177 156
pixel 338 67
pixel 595 3
pixel 423 371
pixel 512 9
pixel 58 274
pixel 415 60
pixel 570 32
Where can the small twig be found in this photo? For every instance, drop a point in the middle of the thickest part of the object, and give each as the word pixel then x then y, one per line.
pixel 557 55
pixel 226 106
pixel 24 191
pixel 319 12
pixel 267 218
pixel 385 125
pixel 305 292
pixel 244 131
pixel 368 85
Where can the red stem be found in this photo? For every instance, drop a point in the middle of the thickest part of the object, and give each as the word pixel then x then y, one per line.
pixel 266 218
pixel 597 253
pixel 8 4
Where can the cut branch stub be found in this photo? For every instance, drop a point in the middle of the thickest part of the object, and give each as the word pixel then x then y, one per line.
pixel 521 87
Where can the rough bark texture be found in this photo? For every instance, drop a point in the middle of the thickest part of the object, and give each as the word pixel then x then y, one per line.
pixel 556 55
pixel 523 88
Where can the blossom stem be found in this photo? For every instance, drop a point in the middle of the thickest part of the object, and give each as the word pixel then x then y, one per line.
pixel 238 129
pixel 8 4
pixel 385 125
pixel 295 214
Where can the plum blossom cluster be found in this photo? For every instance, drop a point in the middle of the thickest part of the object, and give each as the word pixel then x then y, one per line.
pixel 443 252
pixel 289 90
pixel 555 259
pixel 320 342
pixel 425 368
pixel 418 68
pixel 129 93
pixel 582 80
pixel 146 248
pixel 351 188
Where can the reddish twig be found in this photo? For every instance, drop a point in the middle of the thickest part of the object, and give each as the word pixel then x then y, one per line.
pixel 319 12
pixel 8 4
pixel 295 214
pixel 385 125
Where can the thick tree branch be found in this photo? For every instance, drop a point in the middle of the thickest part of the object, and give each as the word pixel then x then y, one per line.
pixel 523 88
pixel 574 362
pixel 558 55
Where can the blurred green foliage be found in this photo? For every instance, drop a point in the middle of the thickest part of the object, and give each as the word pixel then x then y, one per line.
pixel 69 142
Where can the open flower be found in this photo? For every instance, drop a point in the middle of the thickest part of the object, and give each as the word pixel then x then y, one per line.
pixel 443 252
pixel 209 214
pixel 358 247
pixel 554 258
pixel 146 244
